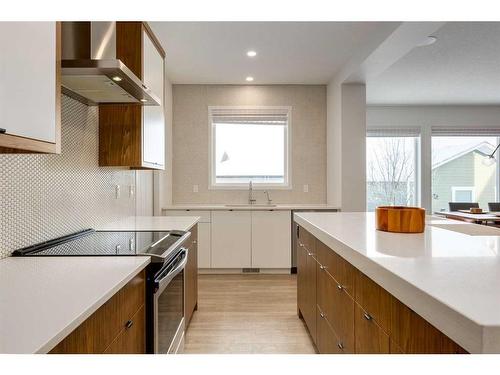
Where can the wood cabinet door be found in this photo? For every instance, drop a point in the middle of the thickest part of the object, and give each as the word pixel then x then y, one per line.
pixel 414 335
pixel 231 239
pixel 271 239
pixel 301 277
pixel 132 340
pixel 338 308
pixel 153 128
pixel 191 276
pixel 30 92
pixel 370 338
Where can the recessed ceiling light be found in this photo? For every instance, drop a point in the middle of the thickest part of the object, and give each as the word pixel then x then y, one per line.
pixel 144 100
pixel 251 53
pixel 427 41
pixel 249 79
pixel 117 78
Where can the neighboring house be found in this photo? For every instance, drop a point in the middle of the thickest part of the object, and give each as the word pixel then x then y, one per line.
pixel 458 175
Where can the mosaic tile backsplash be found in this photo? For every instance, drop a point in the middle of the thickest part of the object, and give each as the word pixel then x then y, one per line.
pixel 47 196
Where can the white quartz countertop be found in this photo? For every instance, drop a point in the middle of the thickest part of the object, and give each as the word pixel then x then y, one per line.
pixel 151 223
pixel 43 299
pixel 245 207
pixel 448 275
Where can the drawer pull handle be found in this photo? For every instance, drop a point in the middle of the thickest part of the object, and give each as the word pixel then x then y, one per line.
pixel 301 244
pixel 129 324
pixel 341 346
pixel 340 287
pixel 310 254
pixel 367 316
pixel 195 242
pixel 322 315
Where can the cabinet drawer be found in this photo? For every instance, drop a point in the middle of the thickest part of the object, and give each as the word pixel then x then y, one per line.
pixel 96 333
pixel 338 308
pixel 370 338
pixel 327 341
pixel 205 216
pixel 342 271
pixel 132 339
pixel 307 240
pixel 375 300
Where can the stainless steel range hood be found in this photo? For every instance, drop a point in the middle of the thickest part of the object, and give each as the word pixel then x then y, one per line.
pixel 92 74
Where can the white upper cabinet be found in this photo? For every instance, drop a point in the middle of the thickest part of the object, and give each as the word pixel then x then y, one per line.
pixel 30 86
pixel 153 116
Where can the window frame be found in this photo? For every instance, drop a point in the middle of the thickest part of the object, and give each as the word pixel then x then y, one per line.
pixel 390 132
pixel 454 190
pixel 286 185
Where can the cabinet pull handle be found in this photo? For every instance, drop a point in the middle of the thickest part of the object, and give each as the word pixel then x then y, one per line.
pixel 367 316
pixel 341 346
pixel 129 324
pixel 310 254
pixel 323 268
pixel 322 315
pixel 339 287
pixel 301 244
pixel 3 131
pixel 195 242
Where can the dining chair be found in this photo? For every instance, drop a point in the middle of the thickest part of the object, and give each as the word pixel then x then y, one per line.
pixel 457 206
pixel 494 206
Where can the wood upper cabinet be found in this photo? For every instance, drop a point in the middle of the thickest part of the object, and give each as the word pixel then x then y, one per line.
pixel 191 276
pixel 30 87
pixel 306 278
pixel 134 135
pixel 118 326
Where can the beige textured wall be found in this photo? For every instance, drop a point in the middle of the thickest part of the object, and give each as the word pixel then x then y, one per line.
pixel 191 131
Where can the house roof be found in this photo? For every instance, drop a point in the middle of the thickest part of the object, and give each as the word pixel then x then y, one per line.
pixel 449 153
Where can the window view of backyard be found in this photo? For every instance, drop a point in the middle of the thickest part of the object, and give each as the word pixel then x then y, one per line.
pixel 458 172
pixel 391 171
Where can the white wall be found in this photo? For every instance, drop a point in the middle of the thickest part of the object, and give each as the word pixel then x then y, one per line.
pixel 427 116
pixel 346 146
pixel 191 142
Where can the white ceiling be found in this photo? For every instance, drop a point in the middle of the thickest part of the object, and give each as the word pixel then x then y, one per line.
pixel 462 67
pixel 288 52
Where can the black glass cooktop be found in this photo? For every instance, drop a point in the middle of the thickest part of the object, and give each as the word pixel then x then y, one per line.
pixel 95 243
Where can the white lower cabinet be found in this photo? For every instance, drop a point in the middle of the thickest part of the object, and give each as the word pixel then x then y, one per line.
pixel 242 239
pixel 271 239
pixel 231 239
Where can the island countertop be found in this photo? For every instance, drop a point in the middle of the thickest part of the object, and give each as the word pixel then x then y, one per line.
pixel 450 274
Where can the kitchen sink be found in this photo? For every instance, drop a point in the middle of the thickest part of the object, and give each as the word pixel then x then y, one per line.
pixel 249 205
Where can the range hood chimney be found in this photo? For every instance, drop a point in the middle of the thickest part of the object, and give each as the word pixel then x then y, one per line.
pixel 91 72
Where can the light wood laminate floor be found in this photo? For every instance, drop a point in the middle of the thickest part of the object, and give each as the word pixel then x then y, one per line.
pixel 247 314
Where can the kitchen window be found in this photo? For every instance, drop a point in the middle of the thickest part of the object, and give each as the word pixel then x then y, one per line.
pixel 459 173
pixel 392 167
pixel 249 144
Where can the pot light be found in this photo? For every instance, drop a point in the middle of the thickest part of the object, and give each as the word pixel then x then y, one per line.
pixel 117 78
pixel 251 53
pixel 144 100
pixel 427 41
pixel 249 79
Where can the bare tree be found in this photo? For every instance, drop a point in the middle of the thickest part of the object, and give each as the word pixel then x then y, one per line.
pixel 390 172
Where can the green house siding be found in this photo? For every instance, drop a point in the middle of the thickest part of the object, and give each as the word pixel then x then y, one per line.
pixel 465 171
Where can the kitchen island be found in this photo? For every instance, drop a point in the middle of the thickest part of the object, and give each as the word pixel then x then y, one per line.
pixel 448 275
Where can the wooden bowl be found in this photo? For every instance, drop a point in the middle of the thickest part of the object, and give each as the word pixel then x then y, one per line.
pixel 400 219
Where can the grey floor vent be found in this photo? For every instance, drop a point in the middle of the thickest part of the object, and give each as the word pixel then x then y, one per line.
pixel 251 270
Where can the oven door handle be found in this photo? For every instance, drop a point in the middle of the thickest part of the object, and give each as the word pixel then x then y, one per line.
pixel 165 280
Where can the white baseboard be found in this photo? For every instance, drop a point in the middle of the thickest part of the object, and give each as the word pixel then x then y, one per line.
pixel 233 271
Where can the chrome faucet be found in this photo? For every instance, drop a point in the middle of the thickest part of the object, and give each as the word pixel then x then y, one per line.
pixel 251 199
pixel 269 200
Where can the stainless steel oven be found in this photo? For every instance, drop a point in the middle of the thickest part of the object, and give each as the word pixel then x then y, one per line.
pixel 168 305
